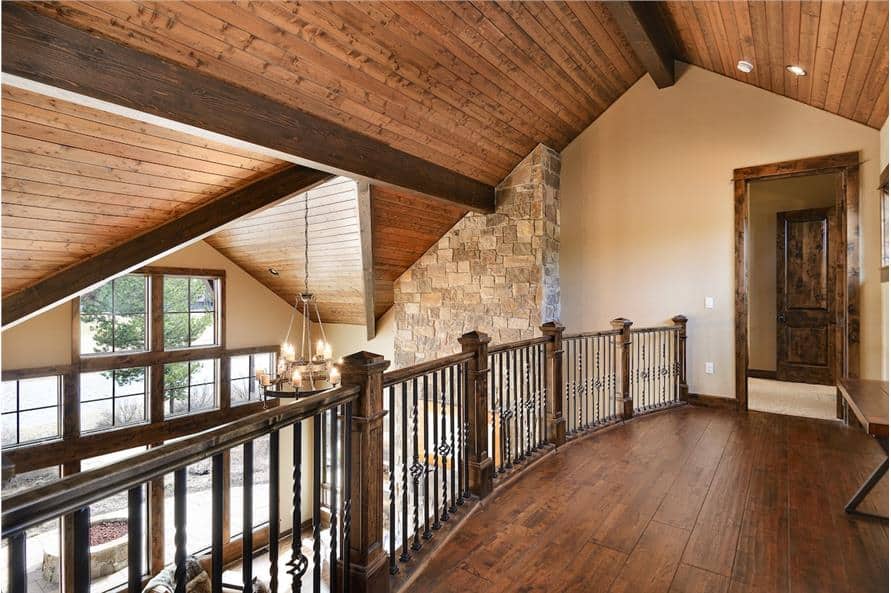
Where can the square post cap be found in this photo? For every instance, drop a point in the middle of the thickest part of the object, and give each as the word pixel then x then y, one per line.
pixel 474 337
pixel 552 327
pixel 620 322
pixel 679 320
pixel 364 362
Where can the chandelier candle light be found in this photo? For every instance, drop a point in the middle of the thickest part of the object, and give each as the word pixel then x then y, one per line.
pixel 301 373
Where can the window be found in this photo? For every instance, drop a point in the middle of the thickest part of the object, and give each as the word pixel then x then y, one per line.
pixel 30 410
pixel 190 387
pixel 190 313
pixel 113 317
pixel 243 376
pixel 112 399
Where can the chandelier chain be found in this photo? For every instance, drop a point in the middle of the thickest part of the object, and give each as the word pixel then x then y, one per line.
pixel 306 242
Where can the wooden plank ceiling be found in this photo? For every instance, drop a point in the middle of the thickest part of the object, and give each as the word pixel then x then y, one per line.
pixel 77 181
pixel 274 238
pixel 843 46
pixel 471 86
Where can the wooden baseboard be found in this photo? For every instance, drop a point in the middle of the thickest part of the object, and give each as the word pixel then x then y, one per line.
pixel 761 374
pixel 712 401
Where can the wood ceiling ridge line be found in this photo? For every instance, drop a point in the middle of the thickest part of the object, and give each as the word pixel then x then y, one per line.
pixel 462 97
pixel 624 51
pixel 530 53
pixel 15 156
pixel 287 94
pixel 592 23
pixel 442 135
pixel 506 91
pixel 523 18
pixel 58 120
pixel 115 149
pixel 497 53
pixel 118 121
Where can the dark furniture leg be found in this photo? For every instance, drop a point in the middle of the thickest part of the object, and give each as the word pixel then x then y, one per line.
pixel 869 484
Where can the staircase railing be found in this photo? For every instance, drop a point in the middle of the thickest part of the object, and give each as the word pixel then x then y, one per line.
pixel 429 439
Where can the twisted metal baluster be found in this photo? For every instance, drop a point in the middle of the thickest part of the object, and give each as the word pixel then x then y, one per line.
pixel 518 395
pixel 444 449
pixel 393 525
pixel 416 468
pixel 435 398
pixel 406 555
pixel 579 375
pixel 298 563
pixel 454 451
pixel 427 533
pixel 506 414
pixel 599 383
pixel 528 401
pixel 663 371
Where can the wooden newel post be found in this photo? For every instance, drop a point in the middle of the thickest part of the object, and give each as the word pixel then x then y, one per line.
pixel 368 563
pixel 554 382
pixel 681 323
pixel 481 466
pixel 624 343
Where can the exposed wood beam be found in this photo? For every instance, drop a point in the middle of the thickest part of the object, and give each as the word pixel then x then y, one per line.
pixel 39 48
pixel 158 242
pixel 363 207
pixel 642 26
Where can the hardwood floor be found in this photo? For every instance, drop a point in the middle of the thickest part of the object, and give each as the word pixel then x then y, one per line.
pixel 691 500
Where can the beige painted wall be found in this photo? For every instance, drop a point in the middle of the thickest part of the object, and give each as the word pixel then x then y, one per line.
pixel 766 198
pixel 348 339
pixel 647 209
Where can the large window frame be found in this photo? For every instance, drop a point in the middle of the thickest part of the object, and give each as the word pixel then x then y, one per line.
pixel 19 410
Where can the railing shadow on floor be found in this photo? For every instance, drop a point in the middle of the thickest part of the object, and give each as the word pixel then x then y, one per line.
pixel 432 440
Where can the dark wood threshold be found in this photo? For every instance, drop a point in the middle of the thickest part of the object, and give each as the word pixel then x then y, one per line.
pixel 712 401
pixel 761 374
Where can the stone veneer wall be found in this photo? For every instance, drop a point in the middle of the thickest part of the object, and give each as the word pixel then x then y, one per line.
pixel 497 273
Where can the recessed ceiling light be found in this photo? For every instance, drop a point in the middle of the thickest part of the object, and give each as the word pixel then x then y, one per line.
pixel 796 70
pixel 744 66
pixel 273 271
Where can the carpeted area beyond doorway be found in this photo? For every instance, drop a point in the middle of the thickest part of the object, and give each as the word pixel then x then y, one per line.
pixel 792 399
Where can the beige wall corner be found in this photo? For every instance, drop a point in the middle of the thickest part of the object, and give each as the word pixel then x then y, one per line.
pixel 647 209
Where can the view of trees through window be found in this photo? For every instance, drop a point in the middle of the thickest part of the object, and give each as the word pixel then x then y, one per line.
pixel 189 311
pixel 113 317
pixel 112 398
pixel 190 386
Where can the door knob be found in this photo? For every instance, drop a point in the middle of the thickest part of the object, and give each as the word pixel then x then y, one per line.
pixel 781 317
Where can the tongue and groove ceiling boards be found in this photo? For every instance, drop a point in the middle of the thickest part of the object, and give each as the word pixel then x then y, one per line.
pixel 843 46
pixel 433 103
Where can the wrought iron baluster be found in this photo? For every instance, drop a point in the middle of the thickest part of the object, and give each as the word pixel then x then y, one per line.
pixel 453 421
pixel 247 544
pixel 664 370
pixel 134 539
pixel 589 383
pixel 529 401
pixel 274 531
pixel 82 575
pixel 599 381
pixel 416 468
pixel 506 413
pixel 579 386
pixel 317 422
pixel 17 563
pixel 444 449
pixel 393 524
pixel 347 492
pixel 179 537
pixel 216 537
pixel 298 563
pixel 518 395
pixel 406 555
pixel 427 533
pixel 435 398
pixel 332 498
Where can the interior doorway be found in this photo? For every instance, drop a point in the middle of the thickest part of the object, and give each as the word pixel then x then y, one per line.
pixel 796 283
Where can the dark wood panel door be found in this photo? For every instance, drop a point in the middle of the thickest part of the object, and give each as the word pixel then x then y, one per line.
pixel 806 295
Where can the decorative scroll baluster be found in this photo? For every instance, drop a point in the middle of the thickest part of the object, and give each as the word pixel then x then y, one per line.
pixel 416 468
pixel 664 370
pixel 518 395
pixel 216 538
pixel 406 555
pixel 179 538
pixel 506 413
pixel 17 575
pixel 454 422
pixel 347 493
pixel 435 400
pixel 598 385
pixel 298 563
pixel 134 539
pixel 528 401
pixel 274 531
pixel 427 533
pixel 580 395
pixel 82 540
pixel 247 545
pixel 332 497
pixel 317 503
pixel 393 523
pixel 444 450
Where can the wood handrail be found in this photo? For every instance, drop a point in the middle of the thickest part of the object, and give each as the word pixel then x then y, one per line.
pixel 32 507
pixel 519 344
pixel 655 328
pixel 603 332
pixel 422 368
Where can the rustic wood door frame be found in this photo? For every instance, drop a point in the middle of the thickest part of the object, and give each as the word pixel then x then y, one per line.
pixel 847 328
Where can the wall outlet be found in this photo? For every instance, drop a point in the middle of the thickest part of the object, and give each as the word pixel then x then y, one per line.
pixel 709 368
pixel 709 302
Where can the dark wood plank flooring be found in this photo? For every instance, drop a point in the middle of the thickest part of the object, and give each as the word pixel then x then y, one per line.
pixel 690 500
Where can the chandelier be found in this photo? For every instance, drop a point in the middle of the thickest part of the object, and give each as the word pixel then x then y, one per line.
pixel 307 370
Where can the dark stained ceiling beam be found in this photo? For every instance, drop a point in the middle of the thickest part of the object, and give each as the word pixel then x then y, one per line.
pixel 642 26
pixel 41 49
pixel 158 242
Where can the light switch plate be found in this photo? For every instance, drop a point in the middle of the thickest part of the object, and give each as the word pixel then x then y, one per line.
pixel 709 368
pixel 709 302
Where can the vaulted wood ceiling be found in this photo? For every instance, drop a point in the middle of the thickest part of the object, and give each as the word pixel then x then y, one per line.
pixel 77 181
pixel 843 46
